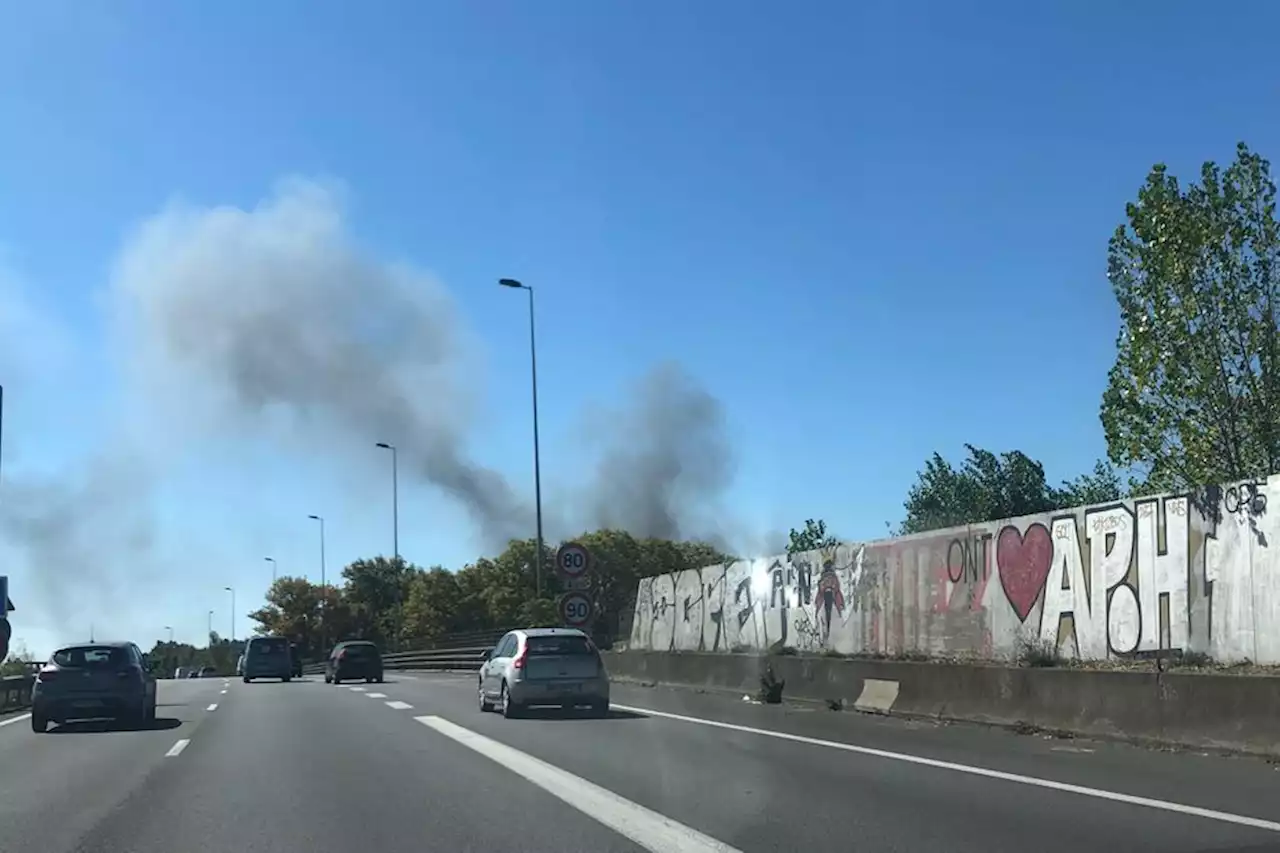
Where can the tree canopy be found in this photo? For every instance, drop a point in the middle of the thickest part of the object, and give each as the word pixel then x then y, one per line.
pixel 1194 396
pixel 987 486
pixel 401 605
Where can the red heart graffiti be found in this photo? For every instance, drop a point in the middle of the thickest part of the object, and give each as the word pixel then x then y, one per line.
pixel 1024 561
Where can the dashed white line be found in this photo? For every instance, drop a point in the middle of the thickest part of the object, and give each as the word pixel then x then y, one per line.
pixel 356 689
pixel 212 707
pixel 649 829
pixel 399 706
pixel 176 749
pixel 376 695
pixel 1097 793
pixel 13 720
pixel 224 692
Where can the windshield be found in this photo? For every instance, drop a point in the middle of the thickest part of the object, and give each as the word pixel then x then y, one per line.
pixel 359 650
pixel 91 656
pixel 559 645
pixel 269 646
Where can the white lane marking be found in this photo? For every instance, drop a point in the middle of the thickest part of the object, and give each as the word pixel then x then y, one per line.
pixel 356 689
pixel 177 748
pixel 224 692
pixel 212 707
pixel 13 720
pixel 376 695
pixel 649 829
pixel 399 706
pixel 1097 793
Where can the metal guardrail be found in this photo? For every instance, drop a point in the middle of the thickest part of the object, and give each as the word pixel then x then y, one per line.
pixel 468 657
pixel 15 692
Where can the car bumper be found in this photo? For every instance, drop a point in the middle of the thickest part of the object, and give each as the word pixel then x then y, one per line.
pixel 265 672
pixel 560 692
pixel 87 706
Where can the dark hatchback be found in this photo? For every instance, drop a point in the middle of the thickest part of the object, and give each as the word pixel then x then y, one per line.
pixel 353 660
pixel 94 681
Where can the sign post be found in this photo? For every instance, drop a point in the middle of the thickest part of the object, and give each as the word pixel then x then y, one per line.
pixel 573 565
pixel 6 630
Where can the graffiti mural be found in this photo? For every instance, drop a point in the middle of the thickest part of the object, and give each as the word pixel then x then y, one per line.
pixel 1184 572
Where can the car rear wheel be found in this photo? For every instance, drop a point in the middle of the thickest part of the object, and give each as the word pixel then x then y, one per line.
pixel 510 709
pixel 288 678
pixel 328 679
pixel 336 679
pixel 600 709
pixel 39 723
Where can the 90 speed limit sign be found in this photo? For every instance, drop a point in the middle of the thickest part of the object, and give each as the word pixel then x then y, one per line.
pixel 575 609
pixel 573 561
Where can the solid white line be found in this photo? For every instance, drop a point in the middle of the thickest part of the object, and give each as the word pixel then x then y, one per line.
pixel 13 720
pixel 645 827
pixel 376 695
pixel 212 707
pixel 1097 793
pixel 177 748
pixel 399 706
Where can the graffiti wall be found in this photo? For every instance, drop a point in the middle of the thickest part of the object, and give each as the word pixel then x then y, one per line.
pixel 1195 572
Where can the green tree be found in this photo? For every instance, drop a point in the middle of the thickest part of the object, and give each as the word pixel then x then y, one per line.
pixel 988 487
pixel 376 590
pixel 433 607
pixel 1194 395
pixel 813 537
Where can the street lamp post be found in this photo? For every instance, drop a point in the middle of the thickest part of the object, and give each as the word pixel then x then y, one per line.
pixel 233 612
pixel 272 561
pixel 537 463
pixel 395 499
pixel 211 627
pixel 320 519
pixel 169 628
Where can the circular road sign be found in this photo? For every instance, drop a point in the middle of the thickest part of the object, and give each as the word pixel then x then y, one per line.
pixel 573 560
pixel 575 609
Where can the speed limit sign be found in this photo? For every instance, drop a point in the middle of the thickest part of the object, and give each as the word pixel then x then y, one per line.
pixel 575 609
pixel 573 560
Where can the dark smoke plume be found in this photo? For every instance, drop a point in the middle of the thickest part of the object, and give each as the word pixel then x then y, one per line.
pixel 285 320
pixel 666 463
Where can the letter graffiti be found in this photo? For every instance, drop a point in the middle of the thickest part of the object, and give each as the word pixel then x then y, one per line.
pixel 1136 577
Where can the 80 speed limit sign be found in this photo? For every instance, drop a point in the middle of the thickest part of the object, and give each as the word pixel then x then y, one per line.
pixel 575 609
pixel 573 560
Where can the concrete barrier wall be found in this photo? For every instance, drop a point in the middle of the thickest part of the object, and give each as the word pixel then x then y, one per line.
pixel 1228 712
pixel 1191 572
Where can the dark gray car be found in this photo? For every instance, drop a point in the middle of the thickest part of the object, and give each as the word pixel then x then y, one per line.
pixel 94 681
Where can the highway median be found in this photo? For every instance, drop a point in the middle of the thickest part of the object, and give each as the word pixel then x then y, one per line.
pixel 1194 710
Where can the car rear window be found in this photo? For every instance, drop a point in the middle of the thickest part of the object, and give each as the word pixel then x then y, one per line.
pixel 269 646
pixel 566 645
pixel 91 656
pixel 360 650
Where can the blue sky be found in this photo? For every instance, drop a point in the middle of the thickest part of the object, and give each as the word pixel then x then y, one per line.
pixel 873 230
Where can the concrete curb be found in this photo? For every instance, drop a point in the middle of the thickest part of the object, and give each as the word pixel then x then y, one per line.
pixel 1220 713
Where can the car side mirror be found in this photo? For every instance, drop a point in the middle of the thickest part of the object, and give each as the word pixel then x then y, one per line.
pixel 488 654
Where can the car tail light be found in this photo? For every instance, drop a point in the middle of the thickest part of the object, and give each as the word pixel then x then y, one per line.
pixel 46 675
pixel 342 654
pixel 518 663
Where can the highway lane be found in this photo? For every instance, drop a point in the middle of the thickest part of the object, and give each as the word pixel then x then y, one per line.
pixel 760 793
pixel 298 767
pixel 57 786
pixel 412 764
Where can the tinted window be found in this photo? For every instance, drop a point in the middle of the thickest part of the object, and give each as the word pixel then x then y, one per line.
pixel 91 656
pixel 360 650
pixel 269 646
pixel 559 645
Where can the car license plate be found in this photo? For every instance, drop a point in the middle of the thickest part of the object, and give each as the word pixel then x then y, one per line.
pixel 572 687
pixel 87 703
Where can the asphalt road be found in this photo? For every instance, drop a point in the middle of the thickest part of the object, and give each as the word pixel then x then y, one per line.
pixel 413 765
